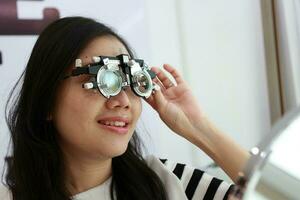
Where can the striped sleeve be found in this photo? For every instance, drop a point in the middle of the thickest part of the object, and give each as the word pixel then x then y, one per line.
pixel 197 184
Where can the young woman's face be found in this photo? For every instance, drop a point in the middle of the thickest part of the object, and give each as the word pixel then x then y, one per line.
pixel 88 123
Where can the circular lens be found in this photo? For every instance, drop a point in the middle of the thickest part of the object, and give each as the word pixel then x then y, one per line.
pixel 111 81
pixel 142 84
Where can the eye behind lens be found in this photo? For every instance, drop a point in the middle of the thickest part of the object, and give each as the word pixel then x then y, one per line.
pixel 109 82
pixel 142 83
pixel 112 81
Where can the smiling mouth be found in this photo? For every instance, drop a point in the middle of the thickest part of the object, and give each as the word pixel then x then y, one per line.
pixel 114 123
pixel 121 128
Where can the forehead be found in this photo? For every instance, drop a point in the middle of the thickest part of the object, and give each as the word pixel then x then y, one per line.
pixel 102 46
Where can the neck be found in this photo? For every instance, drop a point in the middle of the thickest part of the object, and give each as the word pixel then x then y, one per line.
pixel 85 173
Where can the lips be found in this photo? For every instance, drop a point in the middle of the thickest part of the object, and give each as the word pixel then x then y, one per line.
pixel 115 124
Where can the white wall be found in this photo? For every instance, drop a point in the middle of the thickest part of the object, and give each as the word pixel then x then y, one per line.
pixel 218 47
pixel 288 31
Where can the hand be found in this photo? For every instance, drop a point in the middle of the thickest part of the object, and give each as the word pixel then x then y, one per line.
pixel 179 109
pixel 175 103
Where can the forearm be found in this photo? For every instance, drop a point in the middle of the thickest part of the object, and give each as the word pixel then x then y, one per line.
pixel 221 148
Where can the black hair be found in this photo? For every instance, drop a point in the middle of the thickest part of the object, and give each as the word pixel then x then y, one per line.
pixel 35 167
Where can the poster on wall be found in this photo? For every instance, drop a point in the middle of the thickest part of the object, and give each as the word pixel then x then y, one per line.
pixel 21 21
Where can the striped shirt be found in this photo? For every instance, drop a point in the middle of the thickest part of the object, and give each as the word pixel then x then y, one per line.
pixel 181 183
pixel 197 184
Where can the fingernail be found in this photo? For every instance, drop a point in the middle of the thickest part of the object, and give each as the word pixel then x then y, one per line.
pixel 156 87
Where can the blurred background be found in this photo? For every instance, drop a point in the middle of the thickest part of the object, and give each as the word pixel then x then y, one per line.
pixel 241 59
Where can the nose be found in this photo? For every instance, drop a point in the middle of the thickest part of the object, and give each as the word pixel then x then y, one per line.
pixel 119 101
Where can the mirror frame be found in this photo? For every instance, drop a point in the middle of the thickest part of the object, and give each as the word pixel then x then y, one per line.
pixel 259 155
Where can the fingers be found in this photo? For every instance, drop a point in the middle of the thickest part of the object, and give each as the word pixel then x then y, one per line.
pixel 159 83
pixel 164 79
pixel 159 99
pixel 174 73
pixel 150 101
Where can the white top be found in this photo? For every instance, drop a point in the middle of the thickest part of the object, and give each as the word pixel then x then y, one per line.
pixel 181 183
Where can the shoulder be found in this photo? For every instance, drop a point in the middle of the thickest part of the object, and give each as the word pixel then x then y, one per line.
pixel 4 193
pixel 195 182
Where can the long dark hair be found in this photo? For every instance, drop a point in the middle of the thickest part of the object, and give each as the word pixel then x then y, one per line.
pixel 35 167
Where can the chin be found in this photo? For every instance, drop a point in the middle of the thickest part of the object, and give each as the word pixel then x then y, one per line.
pixel 115 152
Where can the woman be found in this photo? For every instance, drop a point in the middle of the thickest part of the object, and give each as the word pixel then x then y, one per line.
pixel 72 143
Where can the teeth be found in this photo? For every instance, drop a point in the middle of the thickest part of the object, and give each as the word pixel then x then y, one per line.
pixel 114 123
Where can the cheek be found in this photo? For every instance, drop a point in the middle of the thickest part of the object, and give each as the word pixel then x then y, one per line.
pixel 137 108
pixel 73 111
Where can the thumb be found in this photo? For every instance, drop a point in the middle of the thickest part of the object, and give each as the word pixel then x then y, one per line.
pixel 159 99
